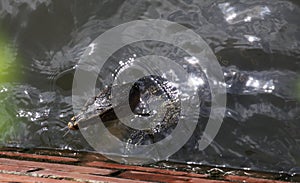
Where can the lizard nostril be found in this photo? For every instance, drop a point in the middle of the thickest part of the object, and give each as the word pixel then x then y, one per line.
pixel 73 119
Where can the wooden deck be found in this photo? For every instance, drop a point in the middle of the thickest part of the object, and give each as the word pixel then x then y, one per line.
pixel 21 165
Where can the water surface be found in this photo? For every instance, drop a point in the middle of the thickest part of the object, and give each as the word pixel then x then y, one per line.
pixel 256 43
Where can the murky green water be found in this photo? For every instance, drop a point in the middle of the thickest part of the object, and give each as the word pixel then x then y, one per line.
pixel 256 42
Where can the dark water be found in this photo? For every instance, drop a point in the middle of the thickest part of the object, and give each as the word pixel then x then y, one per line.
pixel 256 42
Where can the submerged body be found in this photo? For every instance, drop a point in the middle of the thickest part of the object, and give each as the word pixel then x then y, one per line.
pixel 144 96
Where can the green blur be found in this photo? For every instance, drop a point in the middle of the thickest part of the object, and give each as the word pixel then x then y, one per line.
pixel 297 90
pixel 8 62
pixel 8 78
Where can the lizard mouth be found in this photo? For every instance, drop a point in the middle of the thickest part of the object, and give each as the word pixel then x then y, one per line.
pixel 100 107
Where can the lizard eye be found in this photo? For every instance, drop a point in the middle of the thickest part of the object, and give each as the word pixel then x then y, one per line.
pixel 72 126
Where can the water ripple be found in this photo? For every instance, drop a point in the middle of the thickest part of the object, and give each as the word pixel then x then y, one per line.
pixel 256 42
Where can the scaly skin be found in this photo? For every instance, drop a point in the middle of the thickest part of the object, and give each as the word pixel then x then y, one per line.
pixel 101 107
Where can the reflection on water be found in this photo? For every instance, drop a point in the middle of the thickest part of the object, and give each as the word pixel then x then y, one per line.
pixel 233 16
pixel 256 42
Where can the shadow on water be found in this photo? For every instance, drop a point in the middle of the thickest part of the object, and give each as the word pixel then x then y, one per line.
pixel 256 43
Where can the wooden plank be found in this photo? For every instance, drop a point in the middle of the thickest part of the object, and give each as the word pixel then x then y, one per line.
pixel 58 171
pixel 84 177
pixel 145 176
pixel 101 164
pixel 249 179
pixel 88 167
pixel 28 179
pixel 38 157
pixel 55 166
